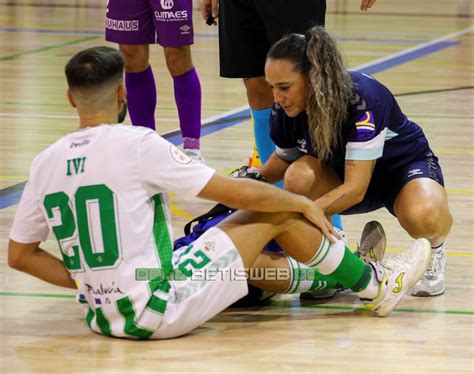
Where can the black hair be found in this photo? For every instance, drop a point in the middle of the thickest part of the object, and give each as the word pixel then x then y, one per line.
pixel 93 67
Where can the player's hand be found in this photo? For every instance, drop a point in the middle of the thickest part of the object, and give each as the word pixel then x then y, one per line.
pixel 316 216
pixel 366 4
pixel 210 9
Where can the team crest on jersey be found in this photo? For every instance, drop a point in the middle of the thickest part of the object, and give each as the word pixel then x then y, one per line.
pixel 365 126
pixel 209 246
pixel 179 156
pixel 167 4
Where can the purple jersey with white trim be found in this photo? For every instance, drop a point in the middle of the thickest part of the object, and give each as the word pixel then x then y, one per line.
pixel 375 128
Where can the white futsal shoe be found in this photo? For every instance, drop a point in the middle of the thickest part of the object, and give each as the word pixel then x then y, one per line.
pixel 398 275
pixel 432 282
pixel 195 154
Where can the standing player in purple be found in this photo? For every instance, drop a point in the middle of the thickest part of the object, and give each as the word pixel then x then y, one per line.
pixel 343 141
pixel 136 24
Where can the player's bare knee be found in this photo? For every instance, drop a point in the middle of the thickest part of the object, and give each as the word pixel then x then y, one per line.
pixel 136 57
pixel 178 60
pixel 426 220
pixel 297 179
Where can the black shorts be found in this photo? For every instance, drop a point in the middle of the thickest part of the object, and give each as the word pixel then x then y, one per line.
pixel 248 28
pixel 385 185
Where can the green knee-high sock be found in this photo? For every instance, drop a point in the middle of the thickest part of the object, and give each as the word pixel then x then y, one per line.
pixel 305 279
pixel 338 262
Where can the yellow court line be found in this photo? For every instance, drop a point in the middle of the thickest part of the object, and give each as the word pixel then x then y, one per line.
pixel 460 192
pixel 454 150
pixel 399 250
pixel 449 254
pixel 178 211
pixel 13 177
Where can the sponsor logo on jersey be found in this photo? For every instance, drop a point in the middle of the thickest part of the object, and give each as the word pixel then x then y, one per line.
pixel 79 145
pixel 179 156
pixel 103 290
pixel 169 16
pixel 185 29
pixel 359 102
pixel 121 25
pixel 365 126
pixel 275 108
pixel 167 4
pixel 302 145
pixel 414 172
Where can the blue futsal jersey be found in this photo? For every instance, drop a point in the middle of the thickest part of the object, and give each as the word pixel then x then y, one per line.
pixel 375 129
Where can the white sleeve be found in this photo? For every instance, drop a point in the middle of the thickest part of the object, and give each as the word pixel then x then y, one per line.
pixel 289 154
pixel 369 150
pixel 29 225
pixel 164 168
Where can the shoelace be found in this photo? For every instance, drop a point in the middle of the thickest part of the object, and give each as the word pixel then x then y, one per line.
pixel 435 265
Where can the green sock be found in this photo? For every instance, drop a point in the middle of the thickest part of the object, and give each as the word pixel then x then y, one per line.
pixel 339 263
pixel 304 279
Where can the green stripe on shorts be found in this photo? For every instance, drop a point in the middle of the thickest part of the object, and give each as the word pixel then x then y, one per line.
pixel 125 307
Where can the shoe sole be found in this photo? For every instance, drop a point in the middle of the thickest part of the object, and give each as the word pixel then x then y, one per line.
pixel 427 294
pixel 425 263
pixel 371 227
pixel 426 246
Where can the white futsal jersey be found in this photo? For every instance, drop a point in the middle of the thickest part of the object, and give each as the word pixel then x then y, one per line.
pixel 102 191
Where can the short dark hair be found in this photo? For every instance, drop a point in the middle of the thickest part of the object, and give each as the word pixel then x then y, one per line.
pixel 94 66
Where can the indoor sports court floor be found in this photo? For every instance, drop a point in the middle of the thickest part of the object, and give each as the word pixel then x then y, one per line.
pixel 422 50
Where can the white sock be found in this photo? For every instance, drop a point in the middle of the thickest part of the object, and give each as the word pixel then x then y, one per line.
pixel 372 289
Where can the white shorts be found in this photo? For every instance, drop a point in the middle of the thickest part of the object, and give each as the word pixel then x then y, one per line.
pixel 217 281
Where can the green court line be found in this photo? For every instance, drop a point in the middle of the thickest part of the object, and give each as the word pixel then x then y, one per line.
pixel 277 304
pixel 51 295
pixel 282 304
pixel 75 41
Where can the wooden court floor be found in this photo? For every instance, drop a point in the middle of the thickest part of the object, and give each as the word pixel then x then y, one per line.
pixel 422 50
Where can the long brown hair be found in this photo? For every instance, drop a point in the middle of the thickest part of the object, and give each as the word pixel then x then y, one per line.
pixel 316 56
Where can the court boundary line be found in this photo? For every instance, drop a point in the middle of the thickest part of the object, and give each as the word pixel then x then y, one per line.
pixel 274 305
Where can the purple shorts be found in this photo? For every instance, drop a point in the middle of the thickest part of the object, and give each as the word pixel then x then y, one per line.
pixel 166 22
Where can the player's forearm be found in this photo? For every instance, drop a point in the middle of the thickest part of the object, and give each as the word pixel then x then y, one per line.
pixel 263 197
pixel 339 199
pixel 46 267
pixel 274 169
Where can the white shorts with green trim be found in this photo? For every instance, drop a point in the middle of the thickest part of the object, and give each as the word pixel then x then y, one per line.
pixel 212 278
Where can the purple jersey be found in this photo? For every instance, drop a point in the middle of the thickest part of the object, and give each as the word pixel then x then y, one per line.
pixel 375 129
pixel 165 22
